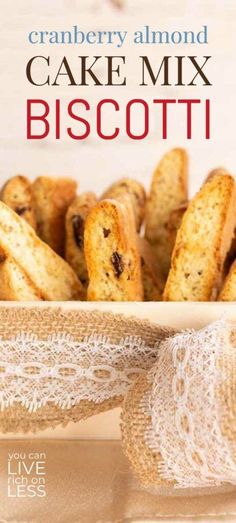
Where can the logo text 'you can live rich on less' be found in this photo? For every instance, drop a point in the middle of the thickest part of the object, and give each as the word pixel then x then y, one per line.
pixel 26 474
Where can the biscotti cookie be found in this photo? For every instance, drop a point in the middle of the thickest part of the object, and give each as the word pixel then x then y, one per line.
pixel 15 285
pixel 135 191
pixel 231 255
pixel 169 189
pixel 214 172
pixel 75 220
pixel 153 284
pixel 202 242
pixel 51 276
pixel 18 195
pixel 174 222
pixel 228 291
pixel 52 198
pixel 111 253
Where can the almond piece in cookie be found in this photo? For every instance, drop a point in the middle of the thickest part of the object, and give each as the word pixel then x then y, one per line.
pixel 52 198
pixel 202 242
pixel 50 275
pixel 111 252
pixel 169 189
pixel 136 192
pixel 18 195
pixel 75 220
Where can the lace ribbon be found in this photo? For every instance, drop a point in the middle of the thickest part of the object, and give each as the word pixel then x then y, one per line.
pixel 183 403
pixel 63 371
pixel 186 411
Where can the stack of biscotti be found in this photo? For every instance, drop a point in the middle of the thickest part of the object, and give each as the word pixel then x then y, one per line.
pixel 56 244
pixel 17 194
pixel 29 268
pixel 52 198
pixel 169 190
pixel 111 251
pixel 121 264
pixel 203 241
pixel 132 189
pixel 76 216
pixel 32 234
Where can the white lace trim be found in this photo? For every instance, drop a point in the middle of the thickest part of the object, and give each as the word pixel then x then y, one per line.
pixel 185 410
pixel 60 370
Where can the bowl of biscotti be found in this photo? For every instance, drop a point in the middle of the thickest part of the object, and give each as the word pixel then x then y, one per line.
pixel 57 244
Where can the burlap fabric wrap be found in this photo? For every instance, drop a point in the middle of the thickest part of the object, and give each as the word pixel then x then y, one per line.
pixel 179 418
pixel 60 365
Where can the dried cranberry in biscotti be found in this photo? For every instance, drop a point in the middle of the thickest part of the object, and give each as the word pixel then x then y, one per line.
pixel 118 264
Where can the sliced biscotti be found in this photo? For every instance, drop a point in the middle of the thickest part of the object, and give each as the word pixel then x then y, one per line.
pixel 135 190
pixel 75 220
pixel 18 195
pixel 228 291
pixel 52 198
pixel 51 276
pixel 111 253
pixel 153 284
pixel 15 284
pixel 174 222
pixel 202 242
pixel 169 189
pixel 231 255
pixel 214 172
